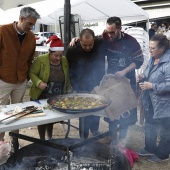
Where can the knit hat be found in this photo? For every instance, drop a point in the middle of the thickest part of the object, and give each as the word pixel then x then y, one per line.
pixel 56 43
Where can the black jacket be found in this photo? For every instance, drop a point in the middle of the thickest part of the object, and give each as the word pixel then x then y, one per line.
pixel 86 68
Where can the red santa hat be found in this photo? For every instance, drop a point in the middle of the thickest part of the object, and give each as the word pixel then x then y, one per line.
pixel 56 43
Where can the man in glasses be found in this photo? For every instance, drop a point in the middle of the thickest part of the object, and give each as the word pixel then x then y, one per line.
pixel 124 55
pixel 17 48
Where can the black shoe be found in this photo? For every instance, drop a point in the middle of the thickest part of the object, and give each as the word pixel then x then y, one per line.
pixel 95 133
pixel 154 158
pixel 143 152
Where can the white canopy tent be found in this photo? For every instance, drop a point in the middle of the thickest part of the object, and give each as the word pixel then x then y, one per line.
pixel 43 8
pixel 89 11
pixel 158 12
pixel 1 11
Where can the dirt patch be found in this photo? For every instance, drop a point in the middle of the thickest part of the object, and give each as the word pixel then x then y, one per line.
pixel 135 140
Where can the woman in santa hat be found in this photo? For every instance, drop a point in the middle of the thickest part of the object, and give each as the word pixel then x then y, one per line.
pixel 50 76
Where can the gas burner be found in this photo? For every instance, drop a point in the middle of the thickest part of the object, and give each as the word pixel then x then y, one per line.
pixel 69 154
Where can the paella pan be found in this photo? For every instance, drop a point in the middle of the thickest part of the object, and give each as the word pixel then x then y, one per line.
pixel 79 102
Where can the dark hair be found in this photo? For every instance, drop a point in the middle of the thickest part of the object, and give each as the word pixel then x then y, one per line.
pixel 162 41
pixel 114 20
pixel 165 23
pixel 154 24
pixel 87 33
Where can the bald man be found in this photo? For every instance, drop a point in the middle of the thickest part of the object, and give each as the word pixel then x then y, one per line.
pixel 86 63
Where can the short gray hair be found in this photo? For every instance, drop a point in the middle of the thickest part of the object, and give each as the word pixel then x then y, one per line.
pixel 28 11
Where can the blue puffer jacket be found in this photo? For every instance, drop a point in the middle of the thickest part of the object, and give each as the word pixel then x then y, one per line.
pixel 160 94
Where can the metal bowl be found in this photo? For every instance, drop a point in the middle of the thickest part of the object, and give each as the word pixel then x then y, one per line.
pixel 103 99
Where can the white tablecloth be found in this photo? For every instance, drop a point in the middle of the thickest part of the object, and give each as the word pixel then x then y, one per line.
pixel 50 117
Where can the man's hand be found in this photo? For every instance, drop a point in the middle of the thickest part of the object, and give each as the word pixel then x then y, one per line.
pixel 73 41
pixel 42 85
pixel 119 74
pixel 145 85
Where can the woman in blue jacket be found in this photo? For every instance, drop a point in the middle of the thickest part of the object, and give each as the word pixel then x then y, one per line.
pixel 156 100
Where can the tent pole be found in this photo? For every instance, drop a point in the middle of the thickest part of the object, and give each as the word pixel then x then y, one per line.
pixel 56 23
pixel 67 12
pixel 147 26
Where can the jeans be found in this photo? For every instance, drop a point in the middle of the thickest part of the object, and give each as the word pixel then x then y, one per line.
pixel 163 149
pixel 88 123
pixel 123 123
pixel 153 128
pixel 45 128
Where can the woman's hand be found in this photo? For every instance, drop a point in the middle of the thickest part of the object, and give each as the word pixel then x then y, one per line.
pixel 139 77
pixel 42 85
pixel 73 41
pixel 145 85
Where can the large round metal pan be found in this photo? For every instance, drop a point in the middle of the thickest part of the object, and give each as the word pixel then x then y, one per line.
pixel 103 99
